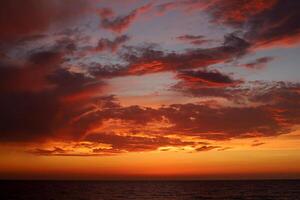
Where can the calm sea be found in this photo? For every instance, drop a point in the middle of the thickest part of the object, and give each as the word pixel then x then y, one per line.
pixel 94 190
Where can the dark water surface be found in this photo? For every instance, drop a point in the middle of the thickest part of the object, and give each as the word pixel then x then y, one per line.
pixel 94 190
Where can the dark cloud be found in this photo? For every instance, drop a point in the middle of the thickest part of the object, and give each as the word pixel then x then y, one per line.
pixel 188 6
pixel 220 123
pixel 224 148
pixel 30 38
pixel 47 152
pixel 257 143
pixel 277 112
pixel 56 151
pixel 235 12
pixel 207 148
pixel 107 71
pixel 276 26
pixel 190 37
pixel 120 23
pixel 118 144
pixel 162 8
pixel 29 76
pixel 282 100
pixel 206 78
pixel 135 143
pixel 197 90
pixel 194 39
pixel 43 96
pixel 259 63
pixel 105 12
pixel 144 60
pixel 45 58
pixel 27 116
pixel 72 86
pixel 210 83
pixel 217 123
pixel 39 98
pixel 39 115
pixel 111 45
pixel 265 23
pixel 20 19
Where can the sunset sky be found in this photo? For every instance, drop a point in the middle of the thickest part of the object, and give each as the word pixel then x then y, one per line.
pixel 113 89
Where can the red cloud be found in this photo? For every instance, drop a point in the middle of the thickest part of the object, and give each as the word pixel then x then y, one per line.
pixel 206 78
pixel 148 60
pixel 266 23
pixel 106 12
pixel 236 12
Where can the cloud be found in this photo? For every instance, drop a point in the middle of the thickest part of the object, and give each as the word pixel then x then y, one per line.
pixel 207 148
pixel 283 101
pixel 276 26
pixel 220 123
pixel 111 45
pixel 29 76
pixel 259 63
pixel 237 12
pixel 206 78
pixel 106 12
pixel 56 151
pixel 215 123
pixel 265 23
pixel 257 143
pixel 102 120
pixel 276 100
pixel 32 17
pixel 120 23
pixel 47 152
pixel 193 39
pixel 70 104
pixel 39 98
pixel 27 116
pixel 224 148
pixel 162 8
pixel 144 60
pixel 188 6
pixel 135 143
pixel 54 92
pixel 210 83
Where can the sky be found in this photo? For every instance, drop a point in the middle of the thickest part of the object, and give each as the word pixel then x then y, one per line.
pixel 149 89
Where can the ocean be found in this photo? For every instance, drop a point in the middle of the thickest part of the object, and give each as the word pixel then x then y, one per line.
pixel 144 190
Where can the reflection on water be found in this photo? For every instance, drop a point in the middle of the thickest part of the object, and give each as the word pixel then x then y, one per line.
pixel 115 190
